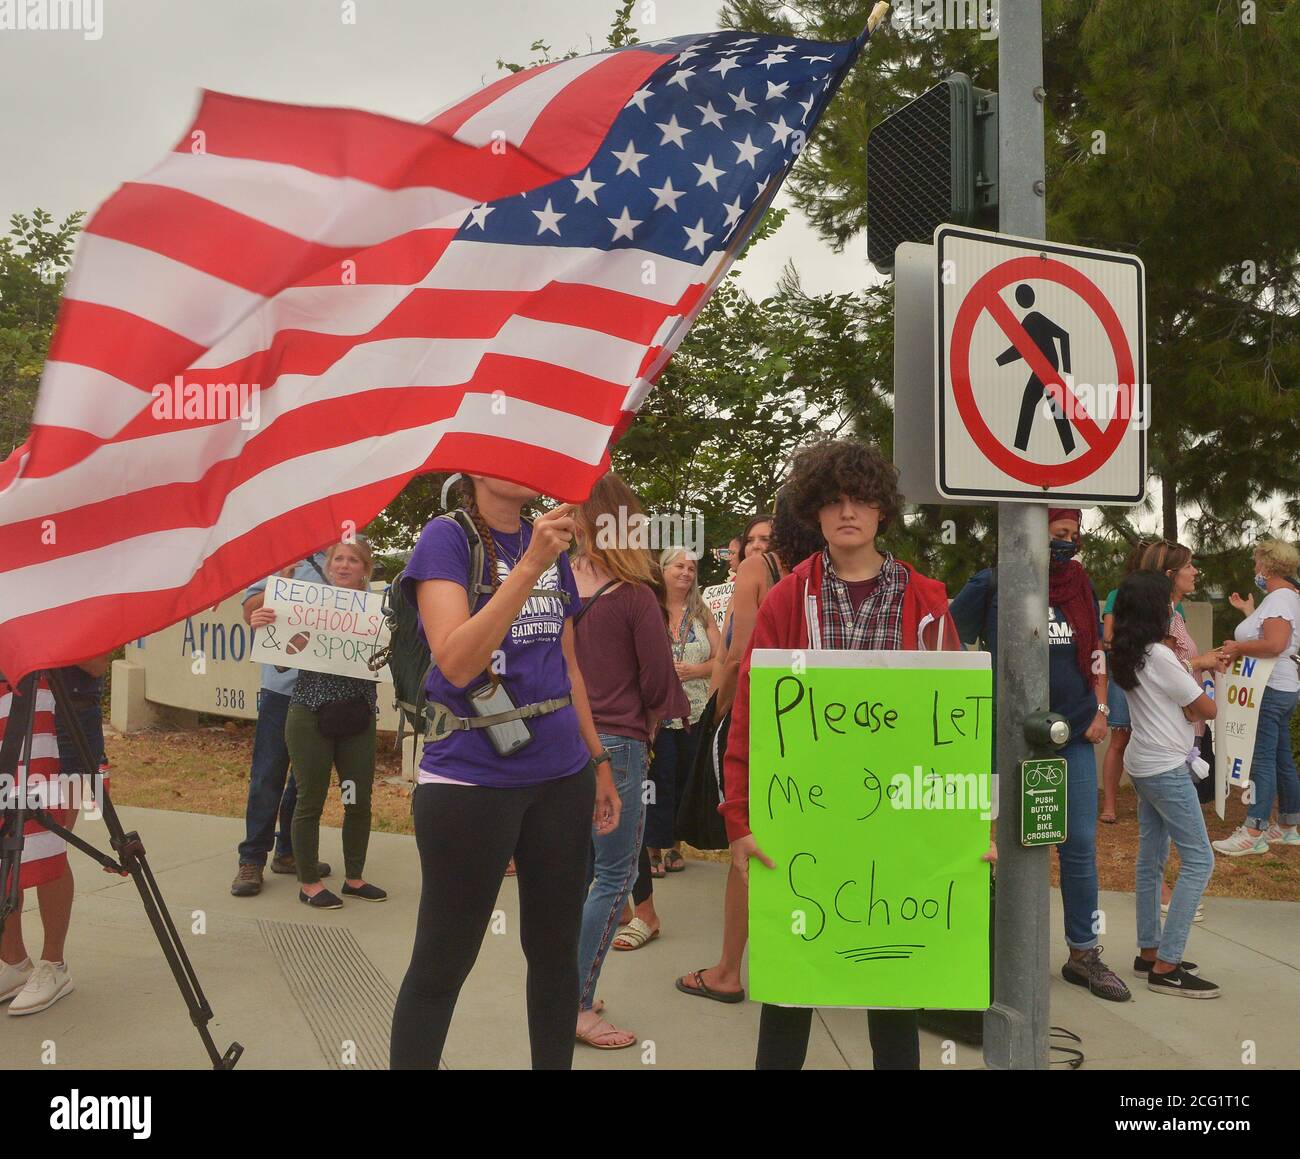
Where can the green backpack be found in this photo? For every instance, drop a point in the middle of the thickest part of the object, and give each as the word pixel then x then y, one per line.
pixel 407 653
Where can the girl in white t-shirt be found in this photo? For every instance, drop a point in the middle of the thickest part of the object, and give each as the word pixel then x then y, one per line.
pixel 1161 759
pixel 1271 631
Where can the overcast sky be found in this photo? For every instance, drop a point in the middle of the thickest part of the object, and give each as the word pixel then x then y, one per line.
pixel 83 115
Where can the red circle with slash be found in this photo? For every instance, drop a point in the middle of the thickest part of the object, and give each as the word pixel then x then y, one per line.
pixel 985 294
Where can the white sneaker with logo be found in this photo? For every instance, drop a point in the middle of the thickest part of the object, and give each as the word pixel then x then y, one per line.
pixel 49 982
pixel 1242 842
pixel 14 978
pixel 1279 835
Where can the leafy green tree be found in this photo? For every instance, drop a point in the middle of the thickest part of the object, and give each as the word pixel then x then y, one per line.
pixel 34 260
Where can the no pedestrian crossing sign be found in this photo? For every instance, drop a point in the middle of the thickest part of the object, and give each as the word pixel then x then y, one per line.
pixel 1040 370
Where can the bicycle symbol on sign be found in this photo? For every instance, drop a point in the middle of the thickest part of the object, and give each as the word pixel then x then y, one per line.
pixel 1049 776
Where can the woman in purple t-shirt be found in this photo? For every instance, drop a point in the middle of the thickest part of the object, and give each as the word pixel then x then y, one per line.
pixel 473 806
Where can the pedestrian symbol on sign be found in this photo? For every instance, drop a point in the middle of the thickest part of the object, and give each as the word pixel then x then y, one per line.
pixel 1045 335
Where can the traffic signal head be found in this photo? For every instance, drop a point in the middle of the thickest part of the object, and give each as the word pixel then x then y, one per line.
pixel 934 161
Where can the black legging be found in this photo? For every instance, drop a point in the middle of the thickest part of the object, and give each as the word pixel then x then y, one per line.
pixel 465 835
pixel 783 1038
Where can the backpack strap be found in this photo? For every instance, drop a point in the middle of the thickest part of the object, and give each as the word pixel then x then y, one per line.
pixel 773 568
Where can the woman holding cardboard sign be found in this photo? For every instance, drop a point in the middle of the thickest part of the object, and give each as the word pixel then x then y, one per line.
pixel 1271 630
pixel 331 725
pixel 856 597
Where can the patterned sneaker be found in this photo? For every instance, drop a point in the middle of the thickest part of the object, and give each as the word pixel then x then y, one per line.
pixel 1242 842
pixel 49 982
pixel 14 978
pixel 1092 972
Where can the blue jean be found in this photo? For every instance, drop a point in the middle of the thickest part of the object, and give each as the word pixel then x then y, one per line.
pixel 1272 768
pixel 612 868
pixel 268 794
pixel 669 770
pixel 1077 856
pixel 1168 809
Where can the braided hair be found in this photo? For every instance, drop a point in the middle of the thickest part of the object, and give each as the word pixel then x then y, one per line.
pixel 469 501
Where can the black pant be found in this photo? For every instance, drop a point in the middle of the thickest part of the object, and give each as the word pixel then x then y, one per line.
pixel 466 835
pixel 783 1038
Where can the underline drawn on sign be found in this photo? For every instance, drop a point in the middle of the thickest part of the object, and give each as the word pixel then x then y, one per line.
pixel 880 953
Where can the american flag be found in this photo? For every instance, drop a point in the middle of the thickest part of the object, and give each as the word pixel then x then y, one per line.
pixel 267 336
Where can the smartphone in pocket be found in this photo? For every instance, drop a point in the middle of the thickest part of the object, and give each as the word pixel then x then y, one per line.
pixel 510 737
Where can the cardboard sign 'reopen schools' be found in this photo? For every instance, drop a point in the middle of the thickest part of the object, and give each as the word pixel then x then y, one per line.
pixel 321 628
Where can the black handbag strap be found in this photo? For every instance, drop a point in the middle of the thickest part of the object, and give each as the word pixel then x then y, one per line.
pixel 773 568
pixel 586 604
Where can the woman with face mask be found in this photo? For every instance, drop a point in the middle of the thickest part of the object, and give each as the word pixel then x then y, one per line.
pixel 1077 691
pixel 1270 631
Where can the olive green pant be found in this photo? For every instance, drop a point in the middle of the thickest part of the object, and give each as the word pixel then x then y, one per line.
pixel 314 757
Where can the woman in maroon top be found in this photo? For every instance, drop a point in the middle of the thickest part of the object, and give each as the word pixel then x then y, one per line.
pixel 627 664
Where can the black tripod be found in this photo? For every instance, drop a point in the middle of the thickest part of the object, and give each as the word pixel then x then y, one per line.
pixel 128 846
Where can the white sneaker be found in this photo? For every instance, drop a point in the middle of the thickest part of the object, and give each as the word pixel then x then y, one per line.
pixel 14 978
pixel 1242 842
pixel 1278 835
pixel 48 983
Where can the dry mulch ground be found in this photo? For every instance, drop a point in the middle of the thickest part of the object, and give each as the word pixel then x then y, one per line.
pixel 206 771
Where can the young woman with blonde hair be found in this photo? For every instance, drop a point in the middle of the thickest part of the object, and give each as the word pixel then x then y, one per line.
pixel 627 666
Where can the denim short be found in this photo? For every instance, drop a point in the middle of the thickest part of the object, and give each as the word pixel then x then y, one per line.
pixel 1118 703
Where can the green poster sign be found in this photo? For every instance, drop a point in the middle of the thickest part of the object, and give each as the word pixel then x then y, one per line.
pixel 869 787
pixel 1042 801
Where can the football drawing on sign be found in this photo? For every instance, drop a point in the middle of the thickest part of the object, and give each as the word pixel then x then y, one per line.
pixel 1045 335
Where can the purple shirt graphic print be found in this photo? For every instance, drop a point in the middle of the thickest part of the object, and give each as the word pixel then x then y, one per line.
pixel 530 663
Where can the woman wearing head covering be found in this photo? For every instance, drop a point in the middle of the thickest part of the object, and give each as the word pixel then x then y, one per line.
pixel 1077 691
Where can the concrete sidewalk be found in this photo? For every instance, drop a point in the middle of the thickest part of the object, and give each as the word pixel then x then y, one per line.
pixel 297 987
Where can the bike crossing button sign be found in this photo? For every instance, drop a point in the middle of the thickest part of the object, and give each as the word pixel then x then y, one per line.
pixel 1040 370
pixel 1042 802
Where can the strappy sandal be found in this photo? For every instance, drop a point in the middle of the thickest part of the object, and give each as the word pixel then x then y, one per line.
pixel 700 990
pixel 589 1039
pixel 637 933
pixel 674 862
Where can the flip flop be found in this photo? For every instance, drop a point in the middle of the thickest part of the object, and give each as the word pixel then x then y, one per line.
pixel 637 932
pixel 700 990
pixel 1107 818
pixel 673 861
pixel 656 865
pixel 595 1032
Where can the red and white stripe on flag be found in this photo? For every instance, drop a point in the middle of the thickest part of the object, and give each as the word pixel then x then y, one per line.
pixel 45 854
pixel 308 255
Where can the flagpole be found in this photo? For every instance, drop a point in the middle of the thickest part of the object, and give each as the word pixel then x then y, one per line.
pixel 878 13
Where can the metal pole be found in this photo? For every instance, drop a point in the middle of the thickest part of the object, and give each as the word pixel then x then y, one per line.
pixel 1016 1026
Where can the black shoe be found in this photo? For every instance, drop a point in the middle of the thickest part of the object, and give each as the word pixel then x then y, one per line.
pixel 322 900
pixel 248 881
pixel 367 892
pixel 1141 967
pixel 1179 982
pixel 287 864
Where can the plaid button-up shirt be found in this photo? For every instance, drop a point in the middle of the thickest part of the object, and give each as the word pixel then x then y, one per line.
pixel 878 622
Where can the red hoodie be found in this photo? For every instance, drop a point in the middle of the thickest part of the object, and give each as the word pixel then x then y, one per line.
pixel 782 623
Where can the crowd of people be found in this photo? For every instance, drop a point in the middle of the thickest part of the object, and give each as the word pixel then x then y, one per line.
pixel 614 693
